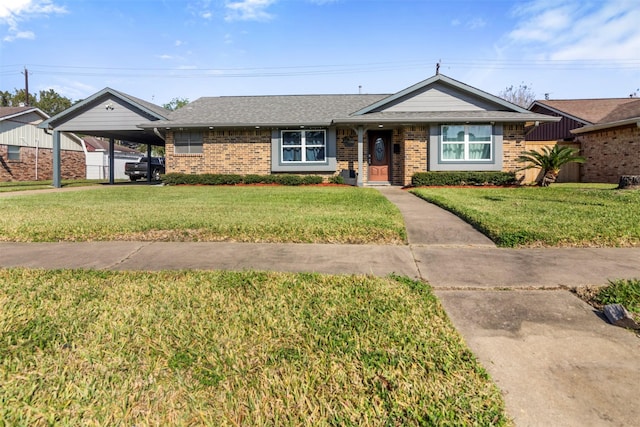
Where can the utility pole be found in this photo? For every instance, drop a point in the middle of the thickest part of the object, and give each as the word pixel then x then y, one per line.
pixel 26 86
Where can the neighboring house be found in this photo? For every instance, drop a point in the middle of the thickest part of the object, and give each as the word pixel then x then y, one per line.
pixel 605 130
pixel 612 145
pixel 26 150
pixel 439 124
pixel 98 158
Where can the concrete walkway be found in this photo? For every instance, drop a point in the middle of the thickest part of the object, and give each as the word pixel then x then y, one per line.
pixel 555 359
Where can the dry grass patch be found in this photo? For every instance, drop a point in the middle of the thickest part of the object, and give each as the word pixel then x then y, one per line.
pixel 224 348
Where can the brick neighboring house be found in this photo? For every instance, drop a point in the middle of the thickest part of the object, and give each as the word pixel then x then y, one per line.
pixel 612 145
pixel 606 130
pixel 26 150
pixel 439 124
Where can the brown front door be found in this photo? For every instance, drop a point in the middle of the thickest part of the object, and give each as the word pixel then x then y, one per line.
pixel 379 155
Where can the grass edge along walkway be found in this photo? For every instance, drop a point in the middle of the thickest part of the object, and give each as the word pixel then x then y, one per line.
pixel 571 215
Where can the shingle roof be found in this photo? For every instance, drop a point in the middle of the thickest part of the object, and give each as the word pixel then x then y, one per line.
pixel 11 111
pixel 588 110
pixel 628 110
pixel 449 116
pixel 161 111
pixel 268 110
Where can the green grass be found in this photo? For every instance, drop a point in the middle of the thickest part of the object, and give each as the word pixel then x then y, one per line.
pixel 224 348
pixel 561 215
pixel 625 292
pixel 6 187
pixel 199 213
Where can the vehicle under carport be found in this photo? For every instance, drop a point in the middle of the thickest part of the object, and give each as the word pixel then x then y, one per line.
pixel 108 114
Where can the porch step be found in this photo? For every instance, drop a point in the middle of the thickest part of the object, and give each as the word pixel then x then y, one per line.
pixel 378 184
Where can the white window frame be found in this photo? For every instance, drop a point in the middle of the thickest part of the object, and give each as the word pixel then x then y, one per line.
pixel 13 153
pixel 466 143
pixel 188 140
pixel 303 146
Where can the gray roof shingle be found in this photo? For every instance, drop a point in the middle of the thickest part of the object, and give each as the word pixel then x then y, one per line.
pixel 267 110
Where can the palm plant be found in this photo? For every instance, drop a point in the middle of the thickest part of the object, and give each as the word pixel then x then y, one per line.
pixel 550 160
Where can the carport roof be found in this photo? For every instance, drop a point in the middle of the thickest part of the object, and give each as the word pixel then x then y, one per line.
pixel 144 111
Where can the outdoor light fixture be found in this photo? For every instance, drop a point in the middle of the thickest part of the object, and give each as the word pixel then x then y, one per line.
pixel 380 126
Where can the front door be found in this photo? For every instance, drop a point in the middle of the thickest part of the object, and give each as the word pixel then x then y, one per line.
pixel 379 155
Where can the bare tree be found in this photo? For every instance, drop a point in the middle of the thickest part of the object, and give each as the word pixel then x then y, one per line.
pixel 522 95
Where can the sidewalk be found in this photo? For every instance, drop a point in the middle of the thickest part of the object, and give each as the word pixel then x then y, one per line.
pixel 555 359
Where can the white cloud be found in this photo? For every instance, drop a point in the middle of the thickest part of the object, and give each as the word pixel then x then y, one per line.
pixel 71 89
pixel 15 12
pixel 206 14
pixel 248 10
pixel 476 23
pixel 228 39
pixel 472 24
pixel 178 43
pixel 570 30
pixel 165 56
pixel 15 35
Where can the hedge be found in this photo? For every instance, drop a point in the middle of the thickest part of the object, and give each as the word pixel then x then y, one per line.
pixel 223 179
pixel 463 178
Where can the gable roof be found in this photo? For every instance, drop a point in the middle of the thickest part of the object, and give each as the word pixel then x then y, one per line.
pixel 7 113
pixel 627 113
pixel 155 112
pixel 277 110
pixel 586 111
pixel 442 79
pixel 323 110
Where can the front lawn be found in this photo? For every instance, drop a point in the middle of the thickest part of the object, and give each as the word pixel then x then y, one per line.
pixel 561 215
pixel 199 213
pixel 6 187
pixel 225 348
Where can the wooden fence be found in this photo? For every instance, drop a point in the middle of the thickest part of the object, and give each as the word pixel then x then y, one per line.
pixel 568 173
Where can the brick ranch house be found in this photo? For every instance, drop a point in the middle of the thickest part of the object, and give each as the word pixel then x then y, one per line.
pixel 26 150
pixel 439 124
pixel 607 131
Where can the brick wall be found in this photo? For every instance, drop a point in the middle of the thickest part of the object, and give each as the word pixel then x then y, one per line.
pixel 346 157
pixel 397 159
pixel 611 153
pixel 415 151
pixel 224 152
pixel 513 144
pixel 73 165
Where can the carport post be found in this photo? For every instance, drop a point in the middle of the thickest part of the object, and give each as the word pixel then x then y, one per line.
pixel 149 163
pixel 57 175
pixel 111 161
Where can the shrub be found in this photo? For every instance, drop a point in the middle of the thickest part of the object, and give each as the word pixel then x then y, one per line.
pixel 336 179
pixel 230 179
pixel 311 180
pixel 463 178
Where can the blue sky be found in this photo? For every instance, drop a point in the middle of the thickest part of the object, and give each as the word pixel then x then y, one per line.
pixel 159 50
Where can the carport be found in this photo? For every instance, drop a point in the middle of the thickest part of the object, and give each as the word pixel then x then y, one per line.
pixel 108 114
